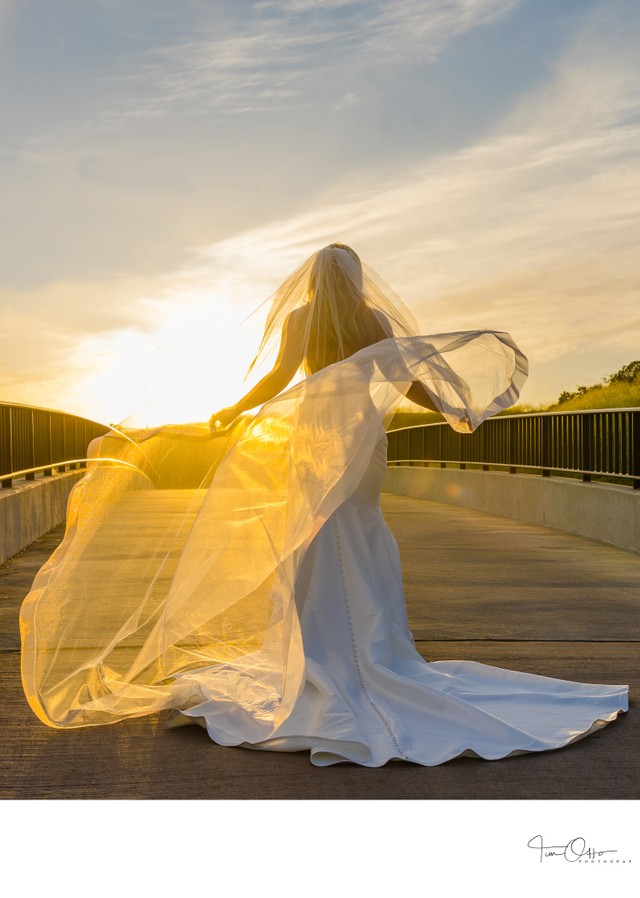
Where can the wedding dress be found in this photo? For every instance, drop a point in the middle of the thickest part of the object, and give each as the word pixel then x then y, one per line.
pixel 248 582
pixel 368 695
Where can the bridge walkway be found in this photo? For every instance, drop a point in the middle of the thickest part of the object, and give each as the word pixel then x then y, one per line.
pixel 478 586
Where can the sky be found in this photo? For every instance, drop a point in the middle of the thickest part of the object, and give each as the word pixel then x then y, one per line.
pixel 165 164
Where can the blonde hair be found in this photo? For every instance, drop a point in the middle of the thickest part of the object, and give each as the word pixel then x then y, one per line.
pixel 339 322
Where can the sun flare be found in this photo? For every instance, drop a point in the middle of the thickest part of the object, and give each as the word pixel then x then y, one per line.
pixel 191 363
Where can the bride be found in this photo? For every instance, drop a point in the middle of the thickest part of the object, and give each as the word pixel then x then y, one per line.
pixel 266 604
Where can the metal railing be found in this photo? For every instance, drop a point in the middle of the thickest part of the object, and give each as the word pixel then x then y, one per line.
pixel 34 440
pixel 595 444
pixel 599 444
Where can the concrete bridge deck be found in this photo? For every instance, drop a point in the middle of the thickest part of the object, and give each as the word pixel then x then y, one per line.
pixel 478 586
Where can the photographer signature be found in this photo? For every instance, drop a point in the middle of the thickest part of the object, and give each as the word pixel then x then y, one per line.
pixel 573 851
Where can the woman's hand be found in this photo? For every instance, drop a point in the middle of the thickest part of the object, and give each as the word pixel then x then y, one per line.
pixel 219 421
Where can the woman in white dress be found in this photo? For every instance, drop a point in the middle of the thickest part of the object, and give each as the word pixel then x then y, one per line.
pixel 274 614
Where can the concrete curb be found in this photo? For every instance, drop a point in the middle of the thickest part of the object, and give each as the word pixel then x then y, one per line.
pixel 610 514
pixel 31 509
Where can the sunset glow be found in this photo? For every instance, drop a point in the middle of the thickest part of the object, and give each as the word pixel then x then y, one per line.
pixel 167 165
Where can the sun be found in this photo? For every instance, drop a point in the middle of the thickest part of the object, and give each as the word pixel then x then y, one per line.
pixel 190 362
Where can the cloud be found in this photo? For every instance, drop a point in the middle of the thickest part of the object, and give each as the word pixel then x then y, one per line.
pixel 42 332
pixel 347 101
pixel 277 55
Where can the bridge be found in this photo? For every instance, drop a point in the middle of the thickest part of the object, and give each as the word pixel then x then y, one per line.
pixel 486 579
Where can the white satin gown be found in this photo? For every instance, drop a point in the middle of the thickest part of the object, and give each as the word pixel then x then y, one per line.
pixel 369 697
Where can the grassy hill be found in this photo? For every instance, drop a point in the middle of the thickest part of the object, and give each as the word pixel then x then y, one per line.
pixel 619 390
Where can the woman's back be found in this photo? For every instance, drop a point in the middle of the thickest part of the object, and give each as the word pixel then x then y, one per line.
pixel 323 342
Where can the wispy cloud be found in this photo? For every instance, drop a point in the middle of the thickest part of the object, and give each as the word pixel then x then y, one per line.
pixel 278 53
pixel 42 329
pixel 346 102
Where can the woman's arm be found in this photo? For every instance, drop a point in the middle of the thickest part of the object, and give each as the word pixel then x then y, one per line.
pixel 287 363
pixel 417 393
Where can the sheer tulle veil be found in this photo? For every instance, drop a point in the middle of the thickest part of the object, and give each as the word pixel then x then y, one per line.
pixel 334 283
pixel 175 581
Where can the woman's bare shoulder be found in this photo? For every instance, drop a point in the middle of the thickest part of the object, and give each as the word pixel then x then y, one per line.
pixel 297 318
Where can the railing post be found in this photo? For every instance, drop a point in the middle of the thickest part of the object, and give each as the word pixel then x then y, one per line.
pixel 12 455
pixel 7 483
pixel 62 468
pixel 48 472
pixel 32 446
pixel 586 440
pixel 545 446
pixel 635 449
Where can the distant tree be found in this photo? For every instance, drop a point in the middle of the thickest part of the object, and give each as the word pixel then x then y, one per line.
pixel 628 374
pixel 566 395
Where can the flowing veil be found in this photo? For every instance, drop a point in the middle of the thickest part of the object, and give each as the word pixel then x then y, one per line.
pixel 174 583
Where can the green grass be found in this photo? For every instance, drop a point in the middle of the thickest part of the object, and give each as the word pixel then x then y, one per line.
pixel 612 395
pixel 413 419
pixel 409 418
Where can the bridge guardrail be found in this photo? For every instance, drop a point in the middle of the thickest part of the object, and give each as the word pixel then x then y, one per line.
pixel 593 444
pixel 597 444
pixel 36 439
